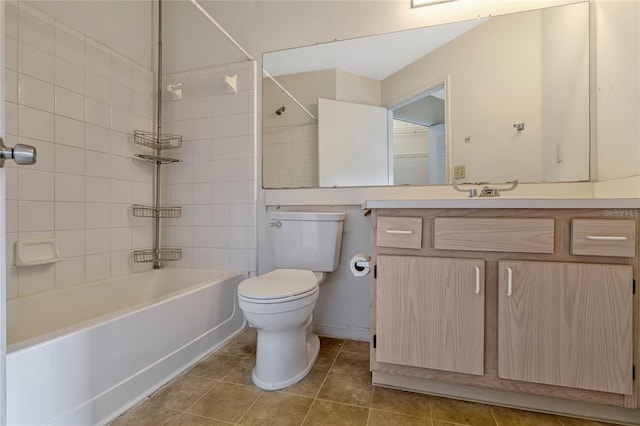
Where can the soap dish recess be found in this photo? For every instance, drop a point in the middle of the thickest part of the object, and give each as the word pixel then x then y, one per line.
pixel 36 252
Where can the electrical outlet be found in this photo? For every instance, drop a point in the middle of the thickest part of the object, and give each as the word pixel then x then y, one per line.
pixel 459 172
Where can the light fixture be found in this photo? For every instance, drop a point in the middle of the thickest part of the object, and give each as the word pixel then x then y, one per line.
pixel 418 3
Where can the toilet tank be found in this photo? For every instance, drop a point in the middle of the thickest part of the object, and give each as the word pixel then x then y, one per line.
pixel 307 240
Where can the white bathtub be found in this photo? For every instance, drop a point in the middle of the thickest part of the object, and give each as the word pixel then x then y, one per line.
pixel 83 355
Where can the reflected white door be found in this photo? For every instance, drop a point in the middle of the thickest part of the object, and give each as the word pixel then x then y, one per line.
pixel 352 144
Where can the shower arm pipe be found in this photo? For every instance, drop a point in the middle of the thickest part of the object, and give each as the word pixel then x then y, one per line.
pixel 222 30
pixel 286 92
pixel 156 183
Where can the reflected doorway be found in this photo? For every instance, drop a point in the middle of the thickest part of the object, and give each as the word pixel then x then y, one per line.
pixel 418 148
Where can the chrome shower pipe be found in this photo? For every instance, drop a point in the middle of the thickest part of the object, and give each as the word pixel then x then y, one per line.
pixel 156 199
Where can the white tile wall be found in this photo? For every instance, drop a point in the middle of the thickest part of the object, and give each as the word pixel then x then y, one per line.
pixel 76 101
pixel 216 183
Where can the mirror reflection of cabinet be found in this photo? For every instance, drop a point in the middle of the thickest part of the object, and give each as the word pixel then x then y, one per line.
pixel 566 324
pixel 430 313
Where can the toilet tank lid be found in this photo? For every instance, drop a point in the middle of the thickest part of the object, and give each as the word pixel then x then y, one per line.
pixel 315 216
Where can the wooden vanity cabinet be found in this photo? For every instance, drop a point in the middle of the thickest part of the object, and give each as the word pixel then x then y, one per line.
pixel 567 327
pixel 566 324
pixel 431 313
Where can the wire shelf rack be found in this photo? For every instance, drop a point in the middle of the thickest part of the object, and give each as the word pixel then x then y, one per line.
pixel 156 159
pixel 163 255
pixel 158 141
pixel 172 212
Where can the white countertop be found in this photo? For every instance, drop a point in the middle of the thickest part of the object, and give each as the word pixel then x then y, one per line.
pixel 508 203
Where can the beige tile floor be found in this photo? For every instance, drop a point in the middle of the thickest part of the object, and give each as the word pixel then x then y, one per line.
pixel 338 391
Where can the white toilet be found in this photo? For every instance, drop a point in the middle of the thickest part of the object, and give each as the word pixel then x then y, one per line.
pixel 280 304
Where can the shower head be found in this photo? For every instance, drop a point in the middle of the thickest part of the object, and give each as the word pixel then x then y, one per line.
pixel 280 110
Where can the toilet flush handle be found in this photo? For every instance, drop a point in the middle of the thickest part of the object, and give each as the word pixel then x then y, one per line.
pixel 276 224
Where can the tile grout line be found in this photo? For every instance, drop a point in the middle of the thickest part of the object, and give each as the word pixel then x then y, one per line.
pixel 250 407
pixel 218 381
pixel 495 419
pixel 198 399
pixel 315 398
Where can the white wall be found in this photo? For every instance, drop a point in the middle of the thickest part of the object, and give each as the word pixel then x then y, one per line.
pixel 618 89
pixel 357 88
pixel 77 101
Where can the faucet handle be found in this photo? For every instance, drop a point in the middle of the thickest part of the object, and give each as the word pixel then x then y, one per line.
pixel 473 192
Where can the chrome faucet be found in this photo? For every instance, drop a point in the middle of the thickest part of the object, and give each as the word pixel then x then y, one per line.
pixel 486 191
pixel 489 191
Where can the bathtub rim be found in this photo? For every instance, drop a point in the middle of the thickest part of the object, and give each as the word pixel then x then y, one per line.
pixel 54 335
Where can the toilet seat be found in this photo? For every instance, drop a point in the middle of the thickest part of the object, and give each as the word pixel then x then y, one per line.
pixel 281 285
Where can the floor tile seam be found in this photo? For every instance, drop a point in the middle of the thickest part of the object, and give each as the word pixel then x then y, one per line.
pixel 204 417
pixel 495 419
pixel 464 424
pixel 217 381
pixel 342 373
pixel 294 394
pixel 343 403
pixel 409 415
pixel 186 410
pixel 304 419
pixel 325 377
pixel 165 408
pixel 250 406
pixel 369 413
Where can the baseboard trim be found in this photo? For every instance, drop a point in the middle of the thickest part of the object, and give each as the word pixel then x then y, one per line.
pixel 354 333
pixel 510 399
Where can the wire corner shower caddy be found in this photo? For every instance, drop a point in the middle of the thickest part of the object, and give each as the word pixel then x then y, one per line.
pixel 158 142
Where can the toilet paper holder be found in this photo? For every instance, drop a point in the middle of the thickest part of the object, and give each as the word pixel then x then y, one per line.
pixel 362 264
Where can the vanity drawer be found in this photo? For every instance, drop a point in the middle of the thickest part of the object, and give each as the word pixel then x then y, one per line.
pixel 494 234
pixel 603 237
pixel 399 232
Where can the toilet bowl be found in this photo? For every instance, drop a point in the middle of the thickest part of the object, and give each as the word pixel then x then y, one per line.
pixel 280 306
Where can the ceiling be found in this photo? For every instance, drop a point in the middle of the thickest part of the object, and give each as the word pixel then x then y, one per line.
pixel 376 57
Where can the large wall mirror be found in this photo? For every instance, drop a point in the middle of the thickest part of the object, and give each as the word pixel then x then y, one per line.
pixel 488 100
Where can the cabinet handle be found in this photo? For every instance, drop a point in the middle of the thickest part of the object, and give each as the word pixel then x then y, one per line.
pixel 397 231
pixel 605 238
pixel 509 282
pixel 477 280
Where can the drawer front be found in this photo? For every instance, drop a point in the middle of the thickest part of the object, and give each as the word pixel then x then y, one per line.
pixel 399 232
pixel 494 234
pixel 603 237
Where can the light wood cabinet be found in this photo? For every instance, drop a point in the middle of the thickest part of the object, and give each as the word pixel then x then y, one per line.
pixel 570 328
pixel 566 324
pixel 430 313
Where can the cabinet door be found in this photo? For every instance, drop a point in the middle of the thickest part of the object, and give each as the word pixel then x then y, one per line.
pixel 566 324
pixel 430 313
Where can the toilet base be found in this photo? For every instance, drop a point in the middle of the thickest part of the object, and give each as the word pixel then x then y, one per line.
pixel 312 347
